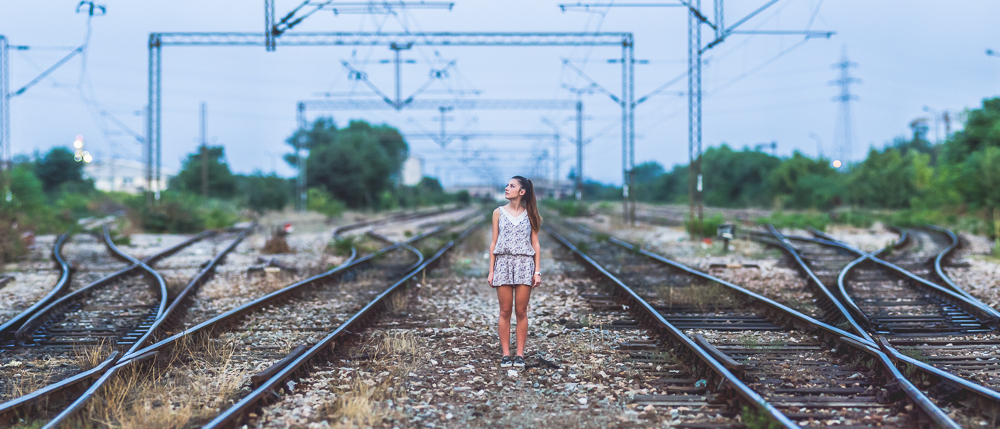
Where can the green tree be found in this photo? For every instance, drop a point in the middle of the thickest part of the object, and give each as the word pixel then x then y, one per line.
pixel 356 164
pixel 221 182
pixel 58 167
pixel 265 191
pixel 736 179
pixel 889 179
pixel 803 182
pixel 982 130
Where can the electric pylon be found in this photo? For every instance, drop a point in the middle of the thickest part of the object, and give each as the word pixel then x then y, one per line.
pixel 844 137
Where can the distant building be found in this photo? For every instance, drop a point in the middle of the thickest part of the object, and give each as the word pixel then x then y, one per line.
pixel 413 170
pixel 122 175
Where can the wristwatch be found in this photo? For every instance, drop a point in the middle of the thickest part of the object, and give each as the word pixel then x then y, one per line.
pixel 538 273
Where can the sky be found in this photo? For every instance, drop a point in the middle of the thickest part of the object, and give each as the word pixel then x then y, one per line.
pixel 915 59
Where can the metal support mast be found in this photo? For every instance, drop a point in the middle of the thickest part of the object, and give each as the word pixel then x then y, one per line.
pixel 695 50
pixel 5 145
pixel 579 149
pixel 300 158
pixel 204 154
pixel 153 120
pixel 694 112
pixel 845 138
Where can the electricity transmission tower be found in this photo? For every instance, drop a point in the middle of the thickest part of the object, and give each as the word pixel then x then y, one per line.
pixel 844 137
pixel 695 50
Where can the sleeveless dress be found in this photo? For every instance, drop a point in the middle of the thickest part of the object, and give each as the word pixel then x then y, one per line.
pixel 515 258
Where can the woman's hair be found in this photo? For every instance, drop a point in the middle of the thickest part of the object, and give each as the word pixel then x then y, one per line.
pixel 529 202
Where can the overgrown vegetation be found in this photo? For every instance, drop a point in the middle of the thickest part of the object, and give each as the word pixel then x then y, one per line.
pixel 354 167
pixel 754 419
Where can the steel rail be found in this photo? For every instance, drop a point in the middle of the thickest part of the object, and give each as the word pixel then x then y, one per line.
pixel 116 357
pixel 987 399
pixel 131 356
pixel 11 407
pixel 395 218
pixel 784 244
pixel 282 293
pixel 158 281
pixel 61 419
pixel 153 350
pixel 939 260
pixel 8 327
pixel 973 306
pixel 922 402
pixel 234 413
pixel 748 395
pixel 181 299
pixel 42 316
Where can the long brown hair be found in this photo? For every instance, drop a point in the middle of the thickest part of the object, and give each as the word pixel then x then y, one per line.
pixel 529 202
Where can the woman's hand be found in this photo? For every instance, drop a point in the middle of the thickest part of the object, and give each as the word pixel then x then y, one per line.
pixel 537 280
pixel 489 279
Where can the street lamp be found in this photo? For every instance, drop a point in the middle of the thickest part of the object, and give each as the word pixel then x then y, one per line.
pixel 81 155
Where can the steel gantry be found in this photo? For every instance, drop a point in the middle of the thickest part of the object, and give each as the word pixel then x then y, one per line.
pixel 625 41
pixel 695 50
pixel 443 106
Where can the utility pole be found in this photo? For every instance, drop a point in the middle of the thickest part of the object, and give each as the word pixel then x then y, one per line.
pixel 148 149
pixel 694 112
pixel 579 149
pixel 204 155
pixel 845 141
pixel 5 146
pixel 301 158
pixel 555 182
pixel 589 89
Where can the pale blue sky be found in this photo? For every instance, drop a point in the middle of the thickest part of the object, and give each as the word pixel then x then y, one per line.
pixel 911 54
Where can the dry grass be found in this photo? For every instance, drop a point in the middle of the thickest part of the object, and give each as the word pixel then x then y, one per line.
pixel 277 243
pixel 360 400
pixel 197 379
pixel 700 296
pixel 397 302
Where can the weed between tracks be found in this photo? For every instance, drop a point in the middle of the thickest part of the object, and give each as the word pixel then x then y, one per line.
pixel 188 388
pixel 700 296
pixel 361 393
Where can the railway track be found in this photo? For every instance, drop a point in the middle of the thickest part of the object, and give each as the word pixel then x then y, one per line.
pixel 94 326
pixel 809 372
pixel 10 325
pixel 281 374
pixel 943 339
pixel 243 320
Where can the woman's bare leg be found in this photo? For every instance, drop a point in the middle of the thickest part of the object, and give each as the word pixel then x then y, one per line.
pixel 505 294
pixel 522 294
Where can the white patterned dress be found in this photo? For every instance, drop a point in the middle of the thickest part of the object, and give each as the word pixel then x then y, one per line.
pixel 515 258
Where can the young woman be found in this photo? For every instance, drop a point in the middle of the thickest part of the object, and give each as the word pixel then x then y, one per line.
pixel 514 258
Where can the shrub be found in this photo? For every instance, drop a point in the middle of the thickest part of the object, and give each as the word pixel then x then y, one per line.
pixel 797 220
pixel 569 208
pixel 707 227
pixel 321 201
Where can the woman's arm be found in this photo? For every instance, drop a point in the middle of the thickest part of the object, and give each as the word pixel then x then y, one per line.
pixel 493 244
pixel 536 278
